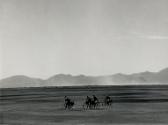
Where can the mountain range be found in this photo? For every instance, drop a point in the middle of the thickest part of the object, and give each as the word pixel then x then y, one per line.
pixel 146 78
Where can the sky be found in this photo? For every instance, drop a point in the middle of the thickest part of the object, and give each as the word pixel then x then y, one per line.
pixel 41 38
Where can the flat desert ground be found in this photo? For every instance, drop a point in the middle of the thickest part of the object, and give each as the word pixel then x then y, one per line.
pixel 44 106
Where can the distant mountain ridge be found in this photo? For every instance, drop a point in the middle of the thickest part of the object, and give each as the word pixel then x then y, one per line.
pixel 147 78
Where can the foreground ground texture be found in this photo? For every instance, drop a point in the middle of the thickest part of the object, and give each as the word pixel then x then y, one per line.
pixel 44 106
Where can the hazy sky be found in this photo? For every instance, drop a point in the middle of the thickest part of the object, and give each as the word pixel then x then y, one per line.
pixel 40 38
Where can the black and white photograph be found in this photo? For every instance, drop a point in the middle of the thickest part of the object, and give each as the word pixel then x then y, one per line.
pixel 83 62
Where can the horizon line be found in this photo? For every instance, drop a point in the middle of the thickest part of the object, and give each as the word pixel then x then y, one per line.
pixel 83 74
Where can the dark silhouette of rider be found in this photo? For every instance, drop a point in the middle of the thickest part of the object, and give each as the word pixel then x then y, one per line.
pixel 88 99
pixel 95 99
pixel 68 103
pixel 108 98
pixel 67 100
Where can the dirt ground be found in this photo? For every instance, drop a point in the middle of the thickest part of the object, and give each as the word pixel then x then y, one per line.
pixel 44 106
